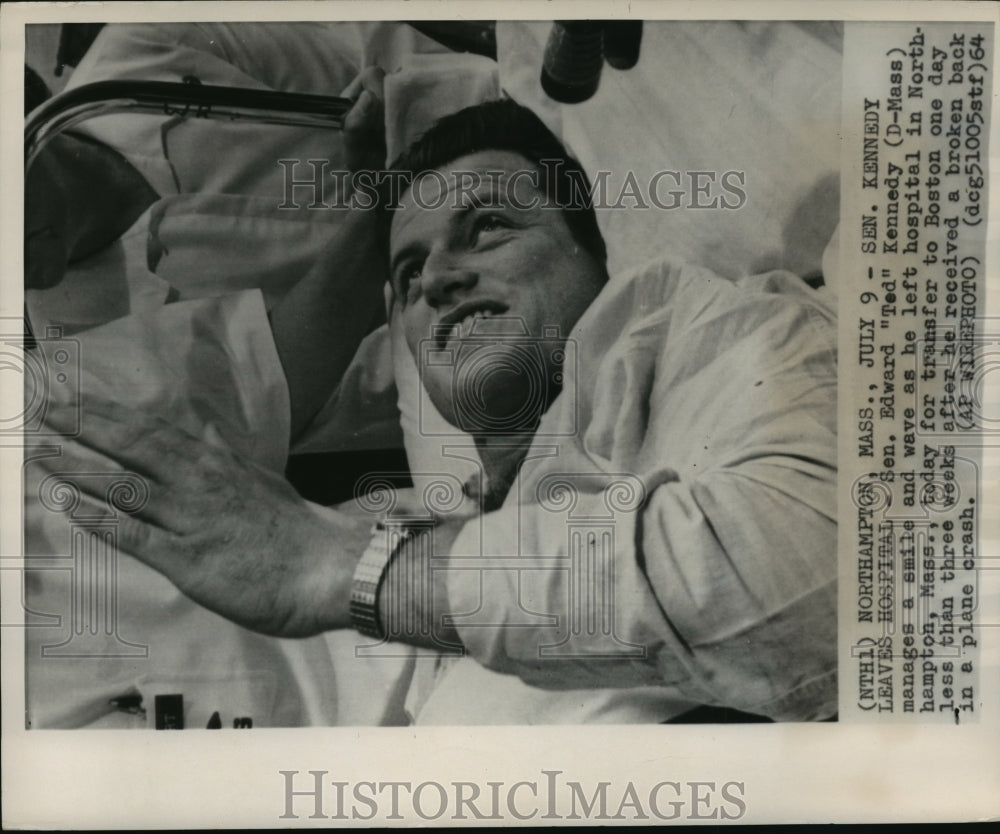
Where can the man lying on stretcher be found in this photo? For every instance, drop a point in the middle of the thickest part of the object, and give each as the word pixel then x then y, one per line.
pixel 713 401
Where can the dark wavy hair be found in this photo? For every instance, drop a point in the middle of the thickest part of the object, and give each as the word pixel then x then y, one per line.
pixel 505 125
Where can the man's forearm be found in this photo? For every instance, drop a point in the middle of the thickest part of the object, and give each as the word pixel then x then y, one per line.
pixel 320 323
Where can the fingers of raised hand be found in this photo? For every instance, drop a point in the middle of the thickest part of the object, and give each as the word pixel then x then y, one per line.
pixel 364 125
pixel 183 479
pixel 371 79
pixel 126 438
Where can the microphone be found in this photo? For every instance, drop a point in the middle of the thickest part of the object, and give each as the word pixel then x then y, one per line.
pixel 574 56
pixel 621 43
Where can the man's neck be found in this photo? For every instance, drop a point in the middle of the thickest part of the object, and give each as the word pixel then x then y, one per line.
pixel 501 457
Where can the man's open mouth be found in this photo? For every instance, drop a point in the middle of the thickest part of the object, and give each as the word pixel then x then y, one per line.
pixel 465 320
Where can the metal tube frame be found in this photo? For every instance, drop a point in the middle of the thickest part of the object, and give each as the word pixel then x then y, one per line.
pixel 180 100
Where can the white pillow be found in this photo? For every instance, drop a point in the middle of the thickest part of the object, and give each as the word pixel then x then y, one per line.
pixel 755 96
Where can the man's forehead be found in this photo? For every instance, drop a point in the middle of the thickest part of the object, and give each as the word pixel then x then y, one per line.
pixel 502 176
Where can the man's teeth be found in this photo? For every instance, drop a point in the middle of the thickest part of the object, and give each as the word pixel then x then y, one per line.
pixel 464 327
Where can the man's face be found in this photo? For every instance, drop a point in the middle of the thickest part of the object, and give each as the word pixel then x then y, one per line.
pixel 474 266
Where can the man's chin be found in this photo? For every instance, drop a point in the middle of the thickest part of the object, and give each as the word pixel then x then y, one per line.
pixel 489 409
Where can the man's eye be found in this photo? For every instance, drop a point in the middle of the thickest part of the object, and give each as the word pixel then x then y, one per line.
pixel 488 223
pixel 409 275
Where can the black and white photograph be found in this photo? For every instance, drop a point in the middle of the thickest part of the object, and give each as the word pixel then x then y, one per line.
pixel 500 417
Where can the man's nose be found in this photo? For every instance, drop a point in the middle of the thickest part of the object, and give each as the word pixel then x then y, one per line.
pixel 444 276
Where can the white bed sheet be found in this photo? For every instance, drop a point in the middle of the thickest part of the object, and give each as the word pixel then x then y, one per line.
pixel 761 97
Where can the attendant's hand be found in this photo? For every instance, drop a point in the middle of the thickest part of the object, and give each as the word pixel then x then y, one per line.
pixel 364 125
pixel 230 534
pixel 48 235
pixel 79 197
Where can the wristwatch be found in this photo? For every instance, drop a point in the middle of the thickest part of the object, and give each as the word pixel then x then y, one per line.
pixel 369 576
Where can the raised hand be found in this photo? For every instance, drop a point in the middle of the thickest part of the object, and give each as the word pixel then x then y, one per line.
pixel 230 534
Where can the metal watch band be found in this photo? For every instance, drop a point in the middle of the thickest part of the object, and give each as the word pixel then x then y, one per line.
pixel 368 577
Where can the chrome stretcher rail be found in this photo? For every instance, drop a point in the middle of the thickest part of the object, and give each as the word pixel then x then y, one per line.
pixel 183 100
pixel 175 99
